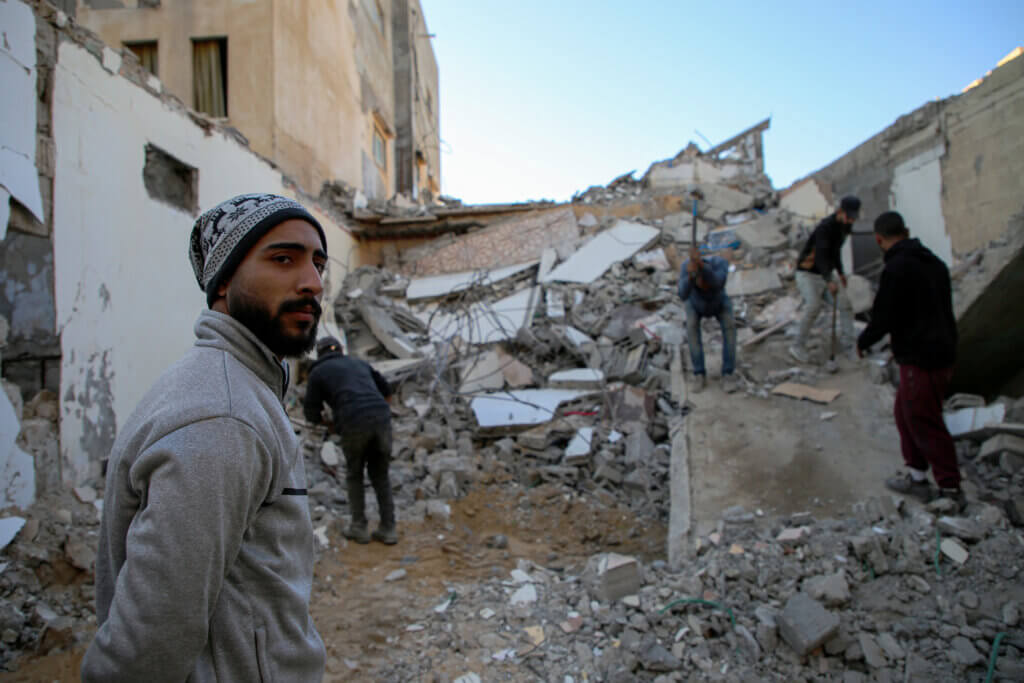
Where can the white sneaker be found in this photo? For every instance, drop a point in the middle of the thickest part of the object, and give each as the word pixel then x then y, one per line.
pixel 799 353
pixel 699 383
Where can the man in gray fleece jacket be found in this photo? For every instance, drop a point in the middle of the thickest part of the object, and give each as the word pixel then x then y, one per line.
pixel 205 560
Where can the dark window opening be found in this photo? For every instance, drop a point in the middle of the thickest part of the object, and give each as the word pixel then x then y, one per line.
pixel 146 51
pixel 210 76
pixel 171 181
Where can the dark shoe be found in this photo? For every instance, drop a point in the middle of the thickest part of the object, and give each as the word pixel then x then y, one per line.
pixel 956 495
pixel 385 536
pixel 357 532
pixel 906 485
pixel 730 383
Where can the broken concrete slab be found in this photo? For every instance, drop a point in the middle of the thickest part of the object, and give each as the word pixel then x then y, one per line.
pixel 578 450
pixel 761 233
pixel 577 378
pixel 802 391
pixel 654 259
pixel 752 281
pixel 964 422
pixel 452 283
pixel 954 550
pixel 517 374
pixel 329 454
pixel 805 625
pixel 555 304
pixel 9 528
pixel 777 311
pixel 483 372
pixel 578 339
pixel 999 444
pixel 387 331
pixel 520 408
pixel 485 323
pixel 595 257
pixel 680 509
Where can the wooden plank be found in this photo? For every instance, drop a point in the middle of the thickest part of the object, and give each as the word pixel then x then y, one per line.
pixel 802 391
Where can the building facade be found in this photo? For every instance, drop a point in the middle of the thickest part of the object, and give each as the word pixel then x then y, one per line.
pixel 328 91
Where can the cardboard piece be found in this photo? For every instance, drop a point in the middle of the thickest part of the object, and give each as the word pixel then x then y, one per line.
pixel 802 391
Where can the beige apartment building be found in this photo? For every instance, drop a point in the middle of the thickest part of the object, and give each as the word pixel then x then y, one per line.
pixel 330 91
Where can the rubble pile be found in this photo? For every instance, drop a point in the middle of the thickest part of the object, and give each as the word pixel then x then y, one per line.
pixel 892 592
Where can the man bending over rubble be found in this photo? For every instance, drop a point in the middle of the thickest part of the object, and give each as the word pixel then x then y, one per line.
pixel 359 399
pixel 914 305
pixel 205 557
pixel 819 267
pixel 702 288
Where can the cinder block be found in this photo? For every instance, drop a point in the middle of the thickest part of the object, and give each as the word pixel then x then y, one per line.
pixel 805 625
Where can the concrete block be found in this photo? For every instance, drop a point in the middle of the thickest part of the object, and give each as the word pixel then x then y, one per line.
pixel 993 449
pixel 611 576
pixel 804 624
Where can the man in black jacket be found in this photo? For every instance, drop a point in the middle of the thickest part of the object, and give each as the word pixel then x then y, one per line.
pixel 914 305
pixel 820 266
pixel 359 399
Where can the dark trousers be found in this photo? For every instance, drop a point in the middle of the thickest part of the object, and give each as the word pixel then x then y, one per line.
pixel 924 438
pixel 367 445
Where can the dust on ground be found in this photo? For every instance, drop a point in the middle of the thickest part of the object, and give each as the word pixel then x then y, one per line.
pixel 361 615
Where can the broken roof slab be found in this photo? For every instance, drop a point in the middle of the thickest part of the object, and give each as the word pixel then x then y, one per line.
pixel 753 281
pixel 577 378
pixel 484 324
pixel 762 232
pixel 441 285
pixel 599 254
pixel 520 408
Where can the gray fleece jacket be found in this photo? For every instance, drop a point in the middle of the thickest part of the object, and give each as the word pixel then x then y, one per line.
pixel 205 558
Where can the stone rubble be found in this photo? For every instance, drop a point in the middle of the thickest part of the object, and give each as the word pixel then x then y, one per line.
pixel 889 592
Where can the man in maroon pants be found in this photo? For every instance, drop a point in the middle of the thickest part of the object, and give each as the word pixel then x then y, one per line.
pixel 914 305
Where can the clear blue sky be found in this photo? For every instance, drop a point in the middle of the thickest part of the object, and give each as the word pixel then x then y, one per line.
pixel 542 99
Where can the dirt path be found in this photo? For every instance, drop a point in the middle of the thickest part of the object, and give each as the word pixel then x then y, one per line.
pixel 363 618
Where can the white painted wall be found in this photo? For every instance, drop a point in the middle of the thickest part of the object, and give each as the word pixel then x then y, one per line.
pixel 127 299
pixel 917 194
pixel 18 175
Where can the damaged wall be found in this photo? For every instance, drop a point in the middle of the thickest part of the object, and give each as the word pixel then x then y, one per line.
pixel 514 240
pixel 954 168
pixel 125 297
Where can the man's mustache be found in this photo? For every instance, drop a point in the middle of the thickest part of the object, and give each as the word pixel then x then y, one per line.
pixel 297 305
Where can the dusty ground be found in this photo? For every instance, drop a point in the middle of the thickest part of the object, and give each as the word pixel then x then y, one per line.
pixel 362 617
pixel 779 455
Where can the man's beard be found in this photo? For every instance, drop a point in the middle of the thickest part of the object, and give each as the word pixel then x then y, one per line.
pixel 270 329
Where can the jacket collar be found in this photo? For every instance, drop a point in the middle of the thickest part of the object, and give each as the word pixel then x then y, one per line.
pixel 222 332
pixel 901 246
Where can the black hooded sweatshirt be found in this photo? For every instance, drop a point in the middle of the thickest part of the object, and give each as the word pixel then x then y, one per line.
pixel 914 305
pixel 821 253
pixel 354 391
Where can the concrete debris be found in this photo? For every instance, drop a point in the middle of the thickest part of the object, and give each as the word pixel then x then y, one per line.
pixel 561 385
pixel 599 254
pixel 966 421
pixel 611 576
pixel 805 625
pixel 583 378
pixel 9 528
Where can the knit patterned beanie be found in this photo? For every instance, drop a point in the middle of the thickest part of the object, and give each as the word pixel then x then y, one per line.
pixel 222 236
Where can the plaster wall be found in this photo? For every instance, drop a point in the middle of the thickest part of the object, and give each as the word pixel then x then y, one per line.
pixel 247 25
pixel 983 170
pixel 917 195
pixel 126 297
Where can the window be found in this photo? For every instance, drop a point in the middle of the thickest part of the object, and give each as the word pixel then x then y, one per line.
pixel 210 76
pixel 145 50
pixel 380 149
pixel 171 181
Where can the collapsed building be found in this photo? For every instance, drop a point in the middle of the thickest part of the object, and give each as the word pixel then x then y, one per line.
pixel 536 348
